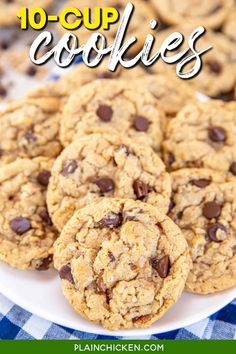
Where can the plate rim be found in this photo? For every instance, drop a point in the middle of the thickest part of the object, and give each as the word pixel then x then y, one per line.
pixel 231 295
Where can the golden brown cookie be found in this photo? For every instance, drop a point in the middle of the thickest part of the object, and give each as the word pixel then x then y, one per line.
pixel 102 165
pixel 122 263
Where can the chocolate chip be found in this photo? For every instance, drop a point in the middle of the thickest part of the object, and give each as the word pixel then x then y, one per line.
pixel 30 137
pixel 162 266
pixel 20 225
pixel 4 45
pixel 100 283
pixel 105 75
pixel 45 217
pixel 217 134
pixel 105 184
pixel 31 71
pixel 171 205
pixel 141 124
pixel 69 167
pixel 3 91
pixel 211 210
pixel 45 263
pixel 179 215
pixel 65 273
pixel 111 220
pixel 214 229
pixel 111 256
pixel 43 178
pixel 232 168
pixel 105 113
pixel 214 66
pixel 201 183
pixel 170 158
pixel 140 189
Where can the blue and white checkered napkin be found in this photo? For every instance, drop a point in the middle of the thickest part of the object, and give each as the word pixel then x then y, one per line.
pixel 16 323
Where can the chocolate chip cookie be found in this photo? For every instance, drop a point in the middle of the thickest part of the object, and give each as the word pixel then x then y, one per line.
pixel 139 26
pixel 209 13
pixel 102 165
pixel 26 231
pixel 112 105
pixel 122 263
pixel 10 8
pixel 30 128
pixel 217 76
pixel 170 92
pixel 203 206
pixel 202 135
pixel 81 75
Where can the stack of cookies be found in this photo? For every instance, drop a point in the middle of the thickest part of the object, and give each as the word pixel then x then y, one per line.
pixel 125 183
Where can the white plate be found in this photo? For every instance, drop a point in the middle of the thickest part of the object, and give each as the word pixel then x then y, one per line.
pixel 40 293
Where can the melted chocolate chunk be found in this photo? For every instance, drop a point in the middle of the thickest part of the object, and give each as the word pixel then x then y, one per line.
pixel 162 266
pixel 69 167
pixel 105 184
pixel 111 220
pixel 214 229
pixel 20 225
pixel 141 124
pixel 105 113
pixel 201 183
pixel 66 274
pixel 45 263
pixel 43 178
pixel 217 134
pixel 211 210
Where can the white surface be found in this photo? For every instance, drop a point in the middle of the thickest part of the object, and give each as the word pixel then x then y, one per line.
pixel 40 293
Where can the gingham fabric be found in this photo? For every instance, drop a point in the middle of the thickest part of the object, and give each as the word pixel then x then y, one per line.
pixel 16 323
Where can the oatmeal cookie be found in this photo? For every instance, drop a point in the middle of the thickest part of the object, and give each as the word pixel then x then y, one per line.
pixel 138 26
pixel 30 128
pixel 218 73
pixel 10 8
pixel 101 165
pixel 106 105
pixel 209 13
pixel 122 263
pixel 26 231
pixel 202 135
pixel 203 206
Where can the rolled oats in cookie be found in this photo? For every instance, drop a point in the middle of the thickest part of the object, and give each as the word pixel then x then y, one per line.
pixel 122 263
pixel 10 8
pixel 30 128
pixel 202 135
pixel 26 231
pixel 112 105
pixel 102 165
pixel 139 26
pixel 203 206
pixel 209 13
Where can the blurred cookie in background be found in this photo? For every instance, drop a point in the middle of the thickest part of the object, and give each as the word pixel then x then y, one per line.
pixel 10 8
pixel 138 26
pixel 217 76
pixel 209 13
